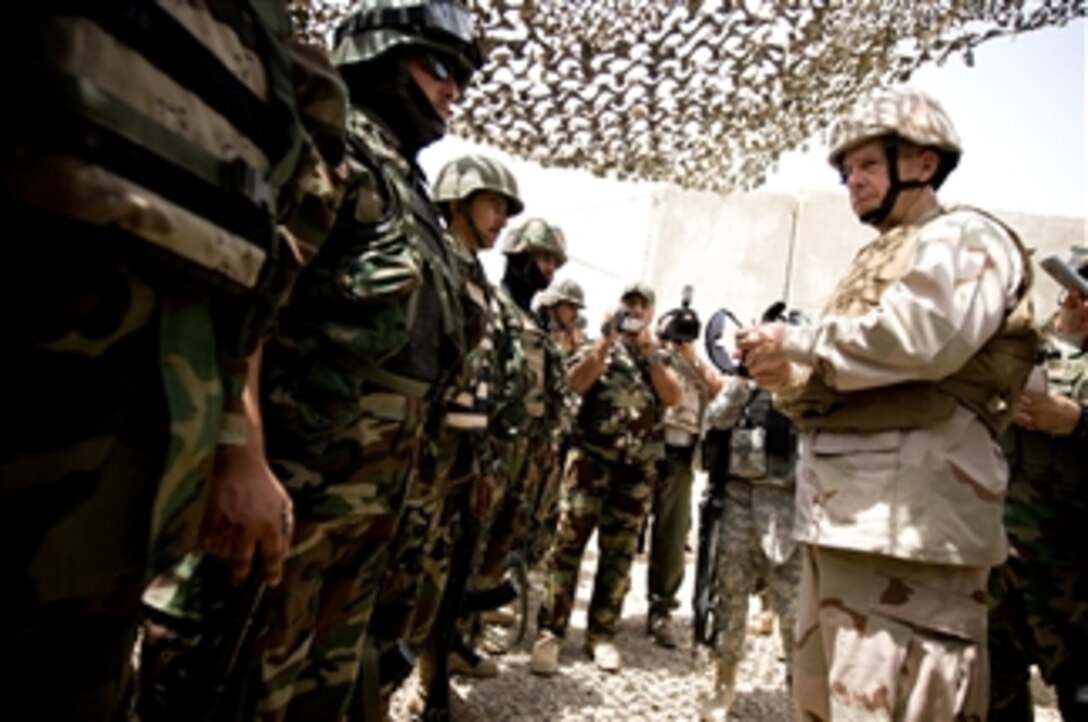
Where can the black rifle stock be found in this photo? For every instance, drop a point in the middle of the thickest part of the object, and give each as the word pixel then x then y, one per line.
pixel 705 599
pixel 445 631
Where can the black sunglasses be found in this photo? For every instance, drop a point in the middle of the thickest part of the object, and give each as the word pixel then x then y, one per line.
pixel 447 69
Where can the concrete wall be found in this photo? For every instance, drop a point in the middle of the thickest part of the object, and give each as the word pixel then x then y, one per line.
pixel 747 251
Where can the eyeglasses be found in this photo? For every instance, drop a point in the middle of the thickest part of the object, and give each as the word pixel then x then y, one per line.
pixel 446 69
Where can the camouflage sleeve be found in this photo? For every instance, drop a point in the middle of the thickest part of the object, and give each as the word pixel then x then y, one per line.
pixel 965 276
pixel 310 200
pixel 725 409
pixel 558 392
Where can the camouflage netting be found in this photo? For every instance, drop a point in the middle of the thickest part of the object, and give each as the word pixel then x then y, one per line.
pixel 706 95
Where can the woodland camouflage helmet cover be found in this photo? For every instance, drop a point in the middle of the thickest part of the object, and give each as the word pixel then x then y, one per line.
pixel 376 26
pixel 537 236
pixel 907 114
pixel 565 291
pixel 469 174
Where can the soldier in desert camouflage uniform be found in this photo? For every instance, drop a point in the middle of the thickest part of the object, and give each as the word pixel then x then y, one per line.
pixel 756 460
pixel 900 389
pixel 625 385
pixel 159 157
pixel 1040 615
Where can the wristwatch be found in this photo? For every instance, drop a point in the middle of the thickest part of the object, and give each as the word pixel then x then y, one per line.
pixel 660 356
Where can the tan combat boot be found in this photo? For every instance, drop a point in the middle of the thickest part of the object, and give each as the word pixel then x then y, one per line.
pixel 716 709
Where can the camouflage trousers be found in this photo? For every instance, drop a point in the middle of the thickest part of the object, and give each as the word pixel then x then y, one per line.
pixel 508 521
pixel 313 652
pixel 882 639
pixel 756 547
pixel 669 527
pixel 414 572
pixel 1039 616
pixel 113 394
pixel 613 499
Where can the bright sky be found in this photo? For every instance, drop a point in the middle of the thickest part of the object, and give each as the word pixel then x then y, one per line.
pixel 1020 113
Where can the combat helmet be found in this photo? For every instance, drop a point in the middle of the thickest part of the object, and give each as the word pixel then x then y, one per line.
pixel 565 291
pixel 900 113
pixel 365 51
pixel 376 26
pixel 470 174
pixel 537 236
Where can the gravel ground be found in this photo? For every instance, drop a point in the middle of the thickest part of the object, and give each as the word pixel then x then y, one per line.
pixel 654 684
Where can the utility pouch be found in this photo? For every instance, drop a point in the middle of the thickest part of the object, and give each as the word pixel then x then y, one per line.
pixel 748 453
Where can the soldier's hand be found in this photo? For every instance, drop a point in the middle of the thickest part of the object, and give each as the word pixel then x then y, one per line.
pixel 1053 414
pixel 760 347
pixel 248 510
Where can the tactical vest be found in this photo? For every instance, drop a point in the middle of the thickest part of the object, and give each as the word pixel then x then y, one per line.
pixel 989 384
pixel 620 415
pixel 409 334
pixel 169 125
pixel 533 340
pixel 512 380
pixel 763 443
pixel 468 399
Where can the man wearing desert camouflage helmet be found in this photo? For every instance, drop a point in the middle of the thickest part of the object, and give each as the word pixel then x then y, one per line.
pixel 900 388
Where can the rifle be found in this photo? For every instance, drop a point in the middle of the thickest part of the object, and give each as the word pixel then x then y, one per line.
pixel 705 600
pixel 200 668
pixel 445 636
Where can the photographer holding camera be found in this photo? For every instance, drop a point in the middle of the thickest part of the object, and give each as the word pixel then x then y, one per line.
pixel 678 330
pixel 625 384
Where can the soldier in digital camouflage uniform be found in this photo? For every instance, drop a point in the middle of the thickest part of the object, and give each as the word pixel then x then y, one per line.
pixel 372 330
pixel 529 407
pixel 625 385
pixel 758 453
pixel 476 195
pixel 1040 615
pixel 900 389
pixel 160 157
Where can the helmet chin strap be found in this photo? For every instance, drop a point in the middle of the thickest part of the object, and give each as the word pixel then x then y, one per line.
pixel 895 185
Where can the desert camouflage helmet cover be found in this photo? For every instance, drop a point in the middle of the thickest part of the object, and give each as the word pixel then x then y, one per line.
pixel 376 26
pixel 537 236
pixel 565 291
pixel 909 114
pixel 460 178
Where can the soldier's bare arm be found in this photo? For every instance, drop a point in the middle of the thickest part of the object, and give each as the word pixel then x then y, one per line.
pixel 248 508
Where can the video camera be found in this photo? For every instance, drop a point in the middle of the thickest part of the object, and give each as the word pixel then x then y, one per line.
pixel 680 325
pixel 624 322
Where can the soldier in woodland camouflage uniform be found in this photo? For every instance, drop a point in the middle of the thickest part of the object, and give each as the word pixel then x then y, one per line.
pixel 560 307
pixel 477 195
pixel 1040 615
pixel 529 407
pixel 900 388
pixel 159 155
pixel 372 330
pixel 756 459
pixel 625 385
